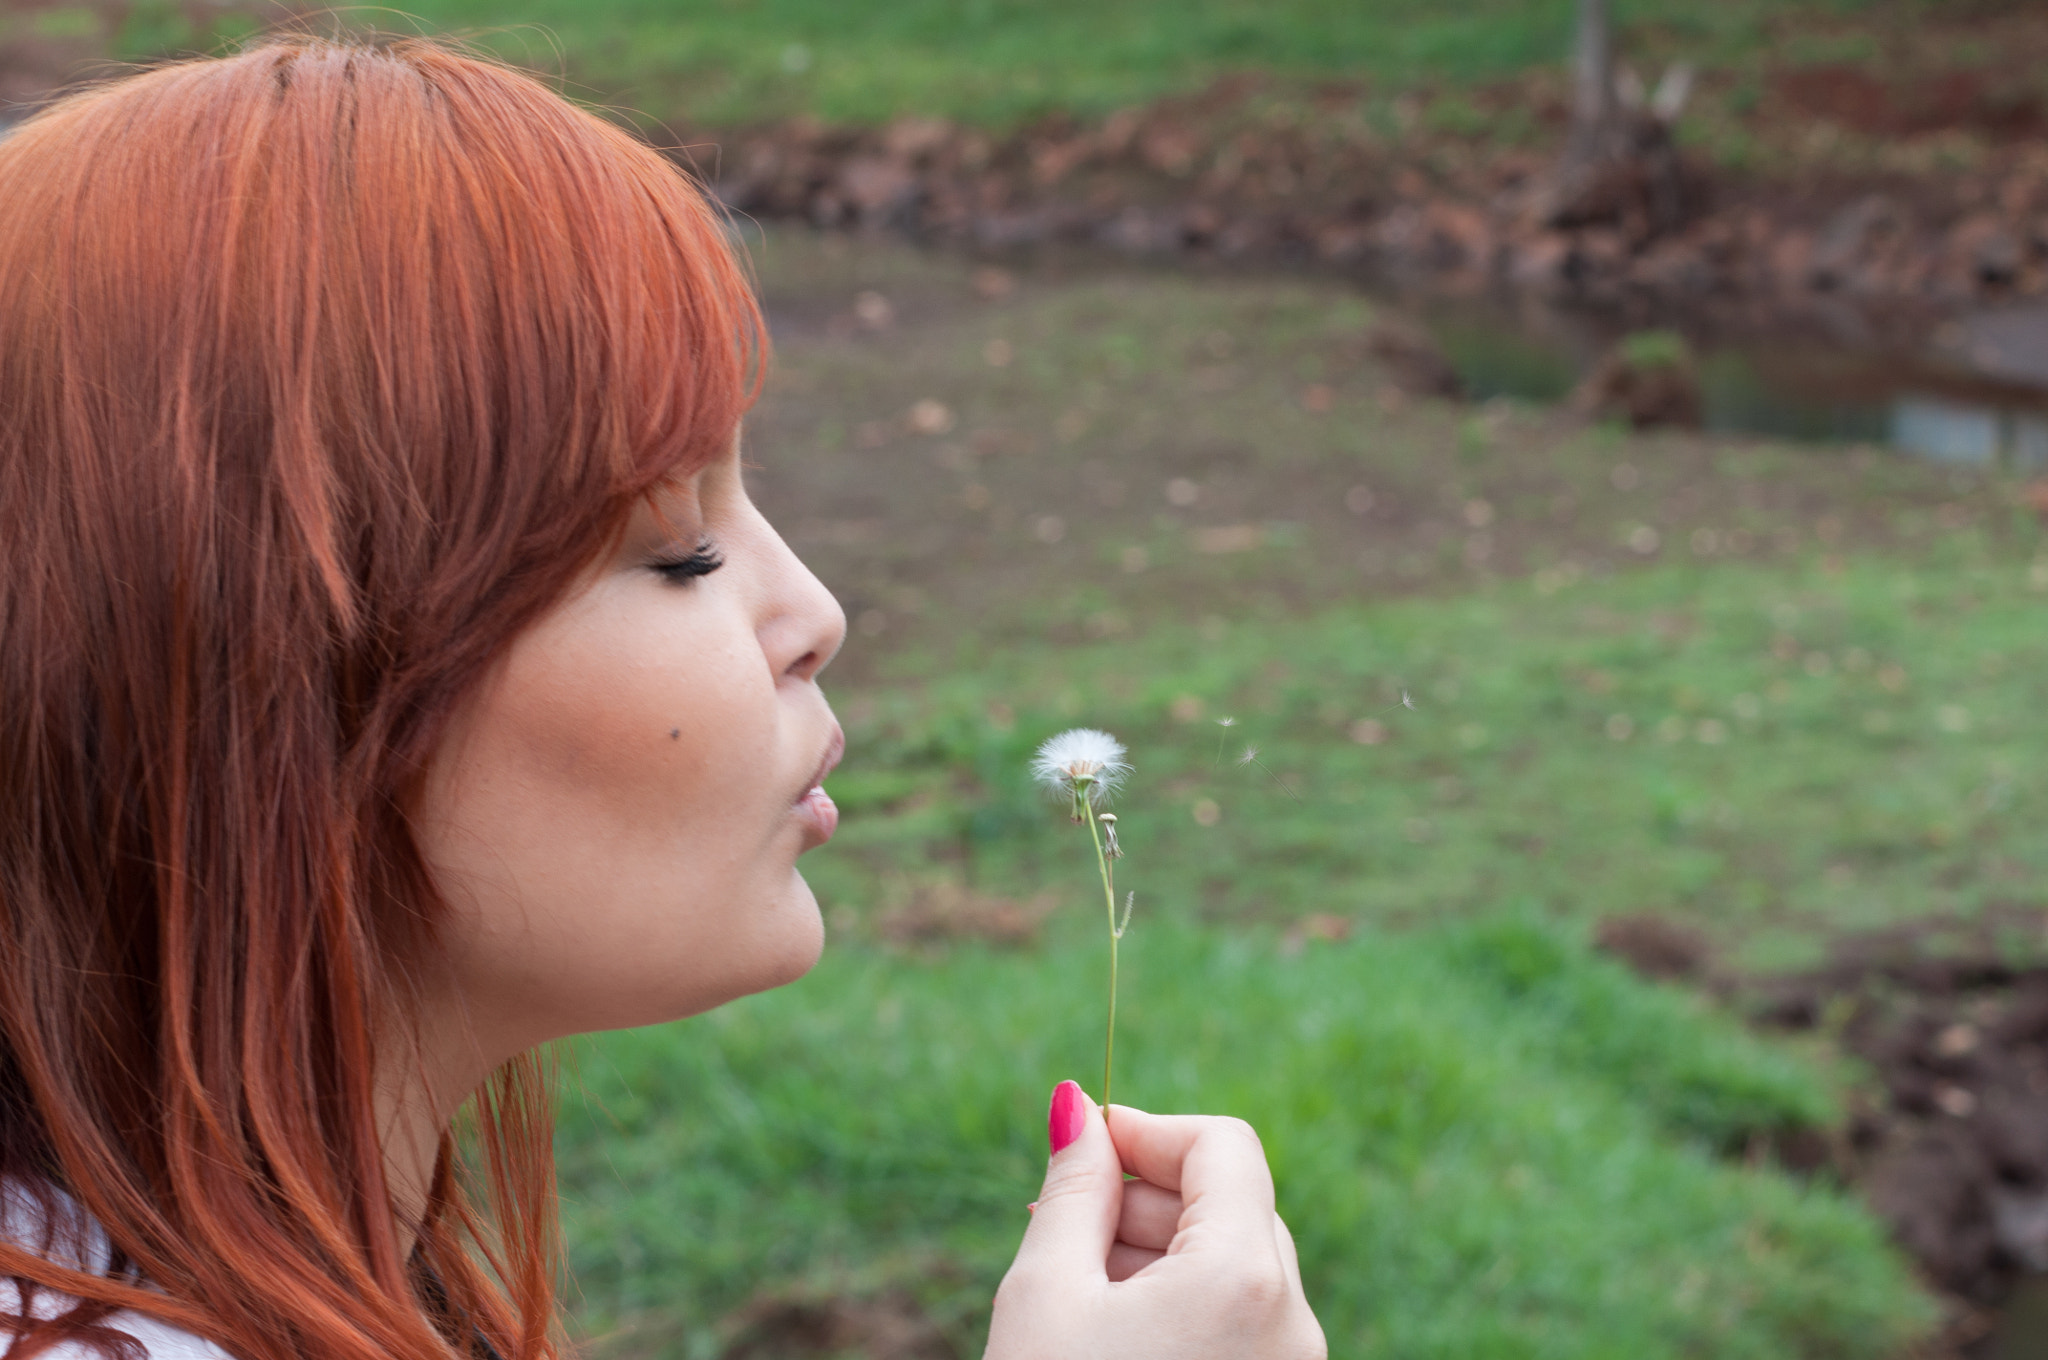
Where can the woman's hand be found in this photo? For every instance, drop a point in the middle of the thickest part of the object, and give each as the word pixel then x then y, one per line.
pixel 1187 1262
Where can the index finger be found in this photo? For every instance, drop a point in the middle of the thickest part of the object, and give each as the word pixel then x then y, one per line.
pixel 1217 1164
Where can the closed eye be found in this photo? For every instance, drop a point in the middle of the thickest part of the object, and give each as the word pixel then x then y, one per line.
pixel 705 560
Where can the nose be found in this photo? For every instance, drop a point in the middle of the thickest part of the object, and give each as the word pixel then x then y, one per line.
pixel 802 627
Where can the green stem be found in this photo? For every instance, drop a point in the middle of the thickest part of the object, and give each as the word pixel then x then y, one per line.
pixel 1109 900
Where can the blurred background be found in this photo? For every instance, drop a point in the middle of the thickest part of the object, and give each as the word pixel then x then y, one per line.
pixel 1655 393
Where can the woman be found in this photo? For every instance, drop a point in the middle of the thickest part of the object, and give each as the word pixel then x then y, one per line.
pixel 394 676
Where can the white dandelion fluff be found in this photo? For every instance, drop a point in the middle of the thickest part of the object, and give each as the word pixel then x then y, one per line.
pixel 1081 757
pixel 1083 766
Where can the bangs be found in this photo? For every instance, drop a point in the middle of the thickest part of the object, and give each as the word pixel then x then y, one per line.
pixel 443 311
pixel 594 331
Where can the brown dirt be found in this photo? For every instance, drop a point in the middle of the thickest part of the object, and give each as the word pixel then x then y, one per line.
pixel 1189 178
pixel 1949 1139
pixel 1067 494
pixel 1907 186
pixel 1992 103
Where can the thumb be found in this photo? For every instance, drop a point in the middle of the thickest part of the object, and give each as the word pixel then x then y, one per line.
pixel 1078 1209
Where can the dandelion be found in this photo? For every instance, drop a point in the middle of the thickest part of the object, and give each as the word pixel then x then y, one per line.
pixel 1084 766
pixel 1226 724
pixel 1081 764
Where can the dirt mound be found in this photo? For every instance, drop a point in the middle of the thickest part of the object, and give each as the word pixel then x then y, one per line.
pixel 1950 1144
pixel 1934 201
pixel 1954 1151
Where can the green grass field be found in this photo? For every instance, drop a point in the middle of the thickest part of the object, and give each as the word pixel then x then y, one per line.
pixel 1490 1143
pixel 1806 710
pixel 724 62
pixel 1774 753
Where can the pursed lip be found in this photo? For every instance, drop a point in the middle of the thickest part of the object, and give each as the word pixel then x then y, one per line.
pixel 814 807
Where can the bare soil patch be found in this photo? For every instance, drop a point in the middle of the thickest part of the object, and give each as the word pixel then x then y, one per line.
pixel 1949 1140
pixel 1904 186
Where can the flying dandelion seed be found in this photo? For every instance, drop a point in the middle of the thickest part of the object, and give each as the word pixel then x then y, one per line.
pixel 1226 724
pixel 1407 702
pixel 1251 757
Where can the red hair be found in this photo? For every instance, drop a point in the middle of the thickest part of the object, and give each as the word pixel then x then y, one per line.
pixel 324 369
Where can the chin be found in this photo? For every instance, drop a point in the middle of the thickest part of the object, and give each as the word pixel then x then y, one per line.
pixel 788 945
pixel 802 940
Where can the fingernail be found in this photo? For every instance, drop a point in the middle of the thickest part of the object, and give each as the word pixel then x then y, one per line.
pixel 1068 1116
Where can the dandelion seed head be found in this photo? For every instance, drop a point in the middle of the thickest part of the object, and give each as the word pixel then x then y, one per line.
pixel 1406 701
pixel 1226 722
pixel 1077 754
pixel 1251 753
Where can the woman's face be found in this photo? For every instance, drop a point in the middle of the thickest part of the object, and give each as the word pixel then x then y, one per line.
pixel 614 816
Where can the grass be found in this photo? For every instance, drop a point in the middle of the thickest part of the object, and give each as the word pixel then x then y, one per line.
pixel 1776 754
pixel 995 62
pixel 1490 1143
pixel 1796 713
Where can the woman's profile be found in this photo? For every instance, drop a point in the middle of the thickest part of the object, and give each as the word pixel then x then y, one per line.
pixel 395 677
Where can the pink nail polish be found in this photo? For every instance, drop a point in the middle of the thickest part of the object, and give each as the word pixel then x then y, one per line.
pixel 1068 1116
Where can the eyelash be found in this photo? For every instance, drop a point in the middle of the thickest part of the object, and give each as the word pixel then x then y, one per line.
pixel 705 560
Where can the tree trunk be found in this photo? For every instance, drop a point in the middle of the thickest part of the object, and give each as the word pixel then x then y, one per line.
pixel 1593 84
pixel 1620 166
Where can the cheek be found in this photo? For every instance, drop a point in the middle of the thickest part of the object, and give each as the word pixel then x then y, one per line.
pixel 618 846
pixel 637 760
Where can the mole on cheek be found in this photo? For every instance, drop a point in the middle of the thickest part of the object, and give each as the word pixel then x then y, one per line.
pixel 675 734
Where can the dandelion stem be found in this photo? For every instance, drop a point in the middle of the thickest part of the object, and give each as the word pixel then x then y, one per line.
pixel 1276 779
pixel 1115 933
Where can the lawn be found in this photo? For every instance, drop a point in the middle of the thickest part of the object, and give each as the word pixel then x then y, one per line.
pixel 1489 1141
pixel 1774 754
pixel 1492 1141
pixel 717 63
pixel 1793 707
